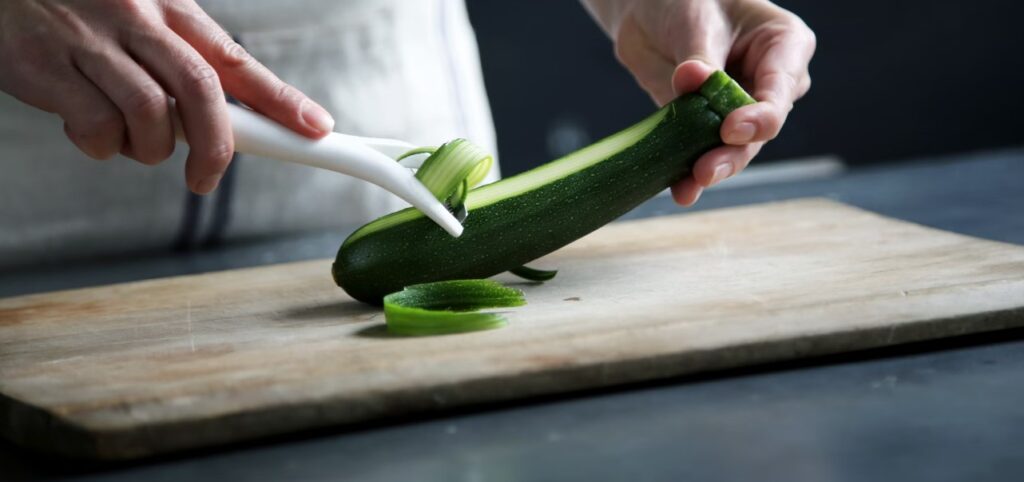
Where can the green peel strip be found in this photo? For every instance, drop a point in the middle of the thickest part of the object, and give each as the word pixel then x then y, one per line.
pixel 446 307
pixel 452 169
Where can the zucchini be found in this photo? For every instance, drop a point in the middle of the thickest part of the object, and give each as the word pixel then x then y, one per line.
pixel 521 218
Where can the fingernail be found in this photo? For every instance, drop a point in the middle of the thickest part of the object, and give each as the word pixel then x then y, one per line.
pixel 721 173
pixel 743 133
pixel 316 117
pixel 696 197
pixel 208 184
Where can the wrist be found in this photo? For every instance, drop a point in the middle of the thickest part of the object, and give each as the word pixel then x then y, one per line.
pixel 608 13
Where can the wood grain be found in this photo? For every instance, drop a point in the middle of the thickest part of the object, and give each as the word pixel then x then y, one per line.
pixel 142 368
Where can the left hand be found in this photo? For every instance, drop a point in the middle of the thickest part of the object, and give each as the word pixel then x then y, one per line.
pixel 672 46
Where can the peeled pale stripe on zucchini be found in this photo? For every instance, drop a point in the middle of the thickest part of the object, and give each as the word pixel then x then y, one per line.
pixel 524 217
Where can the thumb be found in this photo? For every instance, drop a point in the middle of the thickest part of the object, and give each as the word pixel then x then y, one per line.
pixel 699 49
pixel 690 75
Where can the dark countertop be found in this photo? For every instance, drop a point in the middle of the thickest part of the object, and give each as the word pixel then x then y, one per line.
pixel 945 410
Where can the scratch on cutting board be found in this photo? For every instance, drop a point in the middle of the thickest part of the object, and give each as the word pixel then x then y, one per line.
pixel 892 335
pixel 188 318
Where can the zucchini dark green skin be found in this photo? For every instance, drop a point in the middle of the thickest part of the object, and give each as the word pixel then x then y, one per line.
pixel 504 232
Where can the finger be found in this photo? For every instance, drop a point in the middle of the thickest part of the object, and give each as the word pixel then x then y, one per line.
pixel 803 86
pixel 706 36
pixel 686 192
pixel 200 102
pixel 780 79
pixel 245 78
pixel 91 121
pixel 723 162
pixel 758 122
pixel 649 68
pixel 781 72
pixel 141 100
pixel 699 49
pixel 690 75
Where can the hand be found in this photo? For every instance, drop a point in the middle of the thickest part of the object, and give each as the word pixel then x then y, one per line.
pixel 109 68
pixel 672 46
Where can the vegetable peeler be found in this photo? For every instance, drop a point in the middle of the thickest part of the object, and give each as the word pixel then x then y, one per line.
pixel 369 158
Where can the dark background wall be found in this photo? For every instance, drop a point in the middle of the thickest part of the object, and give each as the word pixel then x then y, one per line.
pixel 892 79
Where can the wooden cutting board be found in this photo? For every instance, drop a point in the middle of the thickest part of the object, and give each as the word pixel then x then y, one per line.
pixel 142 368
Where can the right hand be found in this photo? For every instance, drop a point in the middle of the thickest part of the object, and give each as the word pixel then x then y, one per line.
pixel 109 68
pixel 672 46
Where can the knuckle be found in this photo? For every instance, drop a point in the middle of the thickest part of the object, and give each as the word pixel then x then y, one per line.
pixel 219 154
pixel 284 93
pixel 794 25
pixel 805 85
pixel 91 53
pixel 69 19
pixel 777 29
pixel 780 88
pixel 774 125
pixel 812 38
pixel 202 81
pixel 147 104
pixel 232 54
pixel 623 54
pixel 101 123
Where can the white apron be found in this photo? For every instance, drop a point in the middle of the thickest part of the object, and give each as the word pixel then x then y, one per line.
pixel 407 69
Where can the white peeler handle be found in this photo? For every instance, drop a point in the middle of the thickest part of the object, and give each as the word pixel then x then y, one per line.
pixel 259 136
